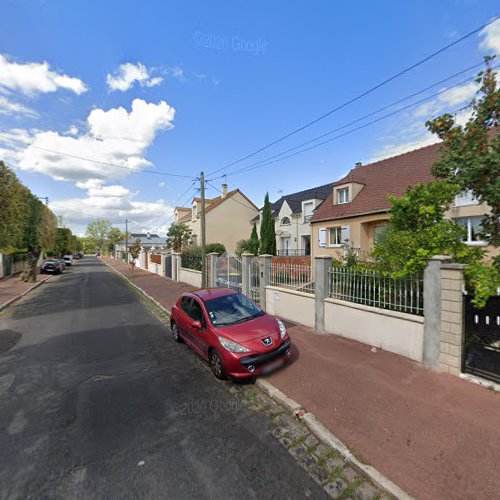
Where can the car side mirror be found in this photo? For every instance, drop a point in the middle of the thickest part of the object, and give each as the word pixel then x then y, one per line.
pixel 196 325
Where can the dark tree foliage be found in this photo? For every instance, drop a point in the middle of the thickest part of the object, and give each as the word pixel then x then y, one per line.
pixel 267 231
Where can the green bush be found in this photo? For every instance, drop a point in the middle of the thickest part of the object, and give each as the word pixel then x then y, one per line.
pixel 218 248
pixel 191 258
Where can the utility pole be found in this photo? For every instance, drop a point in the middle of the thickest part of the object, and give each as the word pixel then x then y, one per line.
pixel 126 240
pixel 203 234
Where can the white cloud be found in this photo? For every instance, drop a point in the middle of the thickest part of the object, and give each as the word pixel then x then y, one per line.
pixel 491 36
pixel 114 203
pixel 161 184
pixel 115 136
pixel 128 74
pixel 177 72
pixel 35 78
pixel 8 107
pixel 397 148
pixel 451 97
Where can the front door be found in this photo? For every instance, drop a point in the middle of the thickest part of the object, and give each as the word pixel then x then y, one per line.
pixel 285 245
pixel 306 244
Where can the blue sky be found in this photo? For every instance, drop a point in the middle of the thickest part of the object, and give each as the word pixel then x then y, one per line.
pixel 178 87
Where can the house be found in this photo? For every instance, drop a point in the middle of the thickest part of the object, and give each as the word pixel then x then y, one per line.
pixel 291 214
pixel 356 210
pixel 227 218
pixel 147 240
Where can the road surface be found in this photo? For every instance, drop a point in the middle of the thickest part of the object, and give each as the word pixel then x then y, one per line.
pixel 96 401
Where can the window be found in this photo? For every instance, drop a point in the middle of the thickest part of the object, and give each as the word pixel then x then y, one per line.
pixel 465 198
pixel 473 229
pixel 285 221
pixel 197 313
pixel 343 195
pixel 335 236
pixel 185 304
pixel 308 211
pixel 379 230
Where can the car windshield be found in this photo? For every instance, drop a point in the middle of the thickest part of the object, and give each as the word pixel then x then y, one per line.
pixel 231 309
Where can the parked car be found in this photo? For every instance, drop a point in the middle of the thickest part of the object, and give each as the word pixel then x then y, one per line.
pixel 51 266
pixel 231 332
pixel 76 256
pixel 68 260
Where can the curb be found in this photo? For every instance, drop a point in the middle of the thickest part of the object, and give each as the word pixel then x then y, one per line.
pixel 311 422
pixel 328 438
pixel 17 297
pixel 139 289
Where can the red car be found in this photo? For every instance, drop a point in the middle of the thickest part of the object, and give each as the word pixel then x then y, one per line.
pixel 231 332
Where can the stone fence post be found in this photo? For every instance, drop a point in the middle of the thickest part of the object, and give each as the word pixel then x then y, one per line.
pixel 176 265
pixel 322 265
pixel 265 277
pixel 246 262
pixel 452 318
pixel 212 277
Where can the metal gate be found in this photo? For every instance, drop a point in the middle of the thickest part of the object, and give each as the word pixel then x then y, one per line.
pixel 482 339
pixel 254 279
pixel 228 272
pixel 168 266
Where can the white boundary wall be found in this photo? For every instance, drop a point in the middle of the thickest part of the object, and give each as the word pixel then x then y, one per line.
pixel 190 276
pixel 390 330
pixel 291 305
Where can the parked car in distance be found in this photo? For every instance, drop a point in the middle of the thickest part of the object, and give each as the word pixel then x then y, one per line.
pixel 76 256
pixel 231 332
pixel 68 260
pixel 51 266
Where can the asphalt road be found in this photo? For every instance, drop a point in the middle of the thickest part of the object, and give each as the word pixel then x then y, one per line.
pixel 96 401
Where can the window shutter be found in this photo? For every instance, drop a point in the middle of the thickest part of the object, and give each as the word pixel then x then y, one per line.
pixel 345 234
pixel 322 237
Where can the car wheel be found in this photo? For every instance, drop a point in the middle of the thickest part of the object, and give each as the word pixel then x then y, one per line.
pixel 217 365
pixel 175 332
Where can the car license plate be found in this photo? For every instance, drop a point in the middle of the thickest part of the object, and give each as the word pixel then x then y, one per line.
pixel 271 367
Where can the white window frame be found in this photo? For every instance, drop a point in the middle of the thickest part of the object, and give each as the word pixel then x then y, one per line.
pixel 342 190
pixel 469 241
pixel 285 223
pixel 307 217
pixel 338 232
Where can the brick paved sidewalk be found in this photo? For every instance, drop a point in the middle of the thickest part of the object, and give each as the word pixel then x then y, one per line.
pixel 11 288
pixel 434 435
pixel 165 291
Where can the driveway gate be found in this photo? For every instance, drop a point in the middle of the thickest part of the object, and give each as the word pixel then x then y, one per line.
pixel 254 279
pixel 482 339
pixel 228 272
pixel 168 266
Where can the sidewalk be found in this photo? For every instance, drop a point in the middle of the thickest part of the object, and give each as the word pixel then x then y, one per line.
pixel 434 435
pixel 12 289
pixel 165 291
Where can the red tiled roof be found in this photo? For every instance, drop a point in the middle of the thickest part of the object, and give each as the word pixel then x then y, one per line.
pixel 379 179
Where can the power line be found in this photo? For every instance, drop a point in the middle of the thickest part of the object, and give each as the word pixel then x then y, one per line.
pixel 273 160
pixel 243 169
pixel 359 96
pixel 230 198
pixel 99 161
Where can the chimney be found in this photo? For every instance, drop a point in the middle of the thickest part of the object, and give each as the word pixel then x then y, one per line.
pixel 358 164
pixel 224 190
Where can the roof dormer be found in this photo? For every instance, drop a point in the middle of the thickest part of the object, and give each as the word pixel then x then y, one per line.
pixel 345 193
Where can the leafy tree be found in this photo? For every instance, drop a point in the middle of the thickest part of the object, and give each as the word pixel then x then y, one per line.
pixel 12 210
pixel 254 240
pixel 98 231
pixel 134 251
pixel 418 231
pixel 178 235
pixel 114 237
pixel 471 153
pixel 267 231
pixel 63 242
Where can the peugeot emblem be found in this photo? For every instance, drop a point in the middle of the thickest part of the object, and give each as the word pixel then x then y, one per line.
pixel 267 341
